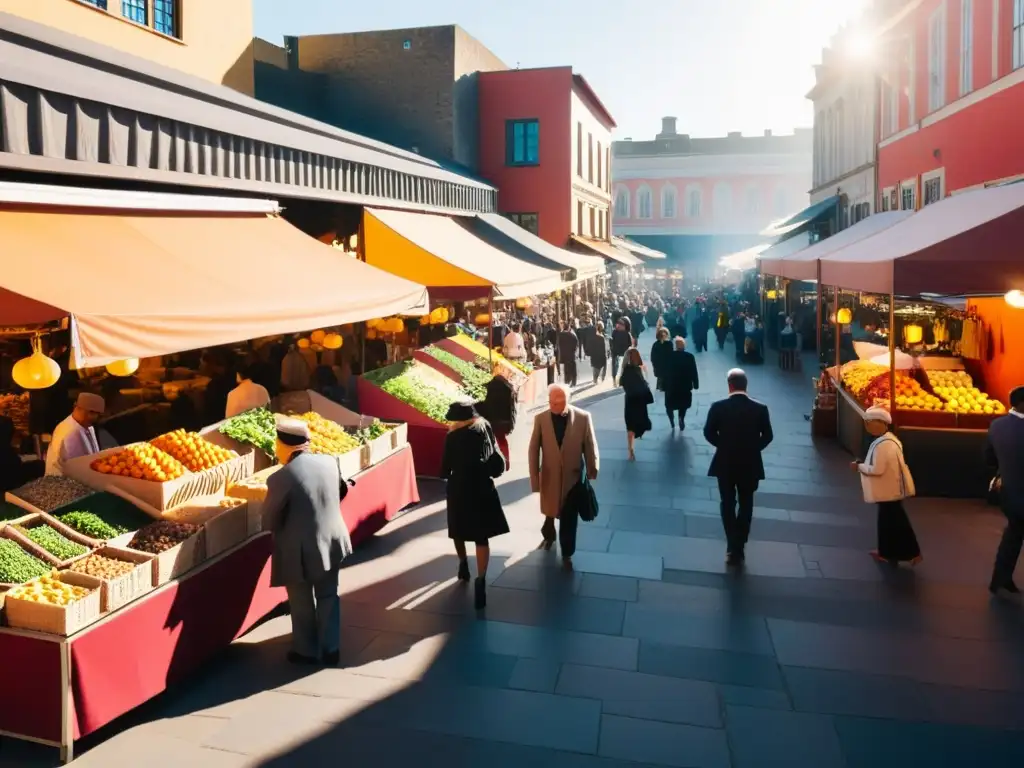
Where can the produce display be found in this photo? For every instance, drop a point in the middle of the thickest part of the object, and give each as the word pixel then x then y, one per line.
pixel 18 566
pixel 957 389
pixel 162 535
pixel 255 427
pixel 481 350
pixel 326 436
pixel 858 376
pixel 192 450
pixel 54 542
pixel 52 492
pixel 101 567
pixel 15 407
pixel 50 590
pixel 141 462
pixel 474 380
pixel 103 516
pixel 408 383
pixel 373 431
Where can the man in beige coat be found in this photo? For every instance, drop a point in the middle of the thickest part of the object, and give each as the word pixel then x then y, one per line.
pixel 562 445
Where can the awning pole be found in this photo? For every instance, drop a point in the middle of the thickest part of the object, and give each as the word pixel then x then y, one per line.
pixel 892 357
pixel 838 331
pixel 490 329
pixel 817 331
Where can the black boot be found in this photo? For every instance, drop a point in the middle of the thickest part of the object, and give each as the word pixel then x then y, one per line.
pixel 480 599
pixel 463 574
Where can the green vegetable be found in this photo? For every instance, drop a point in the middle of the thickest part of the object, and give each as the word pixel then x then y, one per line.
pixel 474 381
pixel 406 382
pixel 255 427
pixel 373 431
pixel 17 566
pixel 53 542
pixel 103 516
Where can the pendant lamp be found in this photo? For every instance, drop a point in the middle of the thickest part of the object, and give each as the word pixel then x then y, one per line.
pixel 1015 299
pixel 844 316
pixel 36 371
pixel 333 341
pixel 125 367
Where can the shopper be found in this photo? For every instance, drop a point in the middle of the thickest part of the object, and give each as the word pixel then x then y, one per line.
pixel 620 343
pixel 247 395
pixel 597 350
pixel 638 396
pixel 76 435
pixel 513 346
pixel 739 428
pixel 310 541
pixel 1005 452
pixel 680 379
pixel 660 352
pixel 500 408
pixel 567 343
pixel 886 481
pixel 470 463
pixel 562 449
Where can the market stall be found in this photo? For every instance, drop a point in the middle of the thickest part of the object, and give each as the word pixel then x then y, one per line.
pixel 941 366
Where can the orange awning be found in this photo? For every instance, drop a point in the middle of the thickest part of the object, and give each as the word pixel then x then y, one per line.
pixel 609 251
pixel 141 284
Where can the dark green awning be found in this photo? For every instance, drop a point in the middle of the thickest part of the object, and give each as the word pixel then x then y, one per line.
pixel 807 218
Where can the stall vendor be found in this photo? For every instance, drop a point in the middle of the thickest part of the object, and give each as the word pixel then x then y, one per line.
pixel 247 395
pixel 76 435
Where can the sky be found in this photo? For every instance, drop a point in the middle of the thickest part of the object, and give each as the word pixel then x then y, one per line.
pixel 716 65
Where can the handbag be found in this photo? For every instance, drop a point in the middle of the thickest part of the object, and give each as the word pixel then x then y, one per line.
pixel 583 499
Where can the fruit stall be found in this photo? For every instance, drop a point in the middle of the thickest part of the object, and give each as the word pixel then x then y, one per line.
pixel 525 379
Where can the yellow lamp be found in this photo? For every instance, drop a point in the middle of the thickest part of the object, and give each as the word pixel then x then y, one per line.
pixel 424 320
pixel 524 303
pixel 844 316
pixel 371 333
pixel 333 341
pixel 393 325
pixel 317 337
pixel 913 334
pixel 1015 299
pixel 37 371
pixel 771 295
pixel 482 319
pixel 125 367
pixel 303 343
pixel 373 323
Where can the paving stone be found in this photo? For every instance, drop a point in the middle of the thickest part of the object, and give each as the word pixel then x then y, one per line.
pixel 762 698
pixel 535 675
pixel 611 587
pixel 539 579
pixel 671 744
pixel 549 645
pixel 740 634
pixel 765 738
pixel 645 520
pixel 763 558
pixel 639 565
pixel 747 669
pixel 644 696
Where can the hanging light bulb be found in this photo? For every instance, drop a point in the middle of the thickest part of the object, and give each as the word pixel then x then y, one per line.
pixel 333 341
pixel 36 371
pixel 913 334
pixel 302 344
pixel 122 368
pixel 844 316
pixel 1015 299
pixel 317 337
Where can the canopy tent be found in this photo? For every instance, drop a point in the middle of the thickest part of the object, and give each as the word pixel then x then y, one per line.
pixel 745 259
pixel 503 233
pixel 455 264
pixel 804 220
pixel 142 283
pixel 771 259
pixel 607 250
pixel 966 245
pixel 636 248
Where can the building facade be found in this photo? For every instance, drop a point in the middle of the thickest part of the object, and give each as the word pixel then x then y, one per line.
pixel 698 199
pixel 545 142
pixel 953 87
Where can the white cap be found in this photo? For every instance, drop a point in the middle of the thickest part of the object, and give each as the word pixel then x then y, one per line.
pixel 878 413
pixel 291 431
pixel 90 402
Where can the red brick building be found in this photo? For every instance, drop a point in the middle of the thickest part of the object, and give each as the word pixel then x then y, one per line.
pixel 545 142
pixel 951 94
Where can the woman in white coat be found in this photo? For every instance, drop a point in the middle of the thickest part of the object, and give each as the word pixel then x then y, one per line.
pixel 886 481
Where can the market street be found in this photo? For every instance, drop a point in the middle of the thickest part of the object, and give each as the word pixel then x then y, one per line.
pixel 650 653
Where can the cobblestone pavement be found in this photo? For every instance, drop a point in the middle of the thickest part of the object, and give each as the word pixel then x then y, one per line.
pixel 650 653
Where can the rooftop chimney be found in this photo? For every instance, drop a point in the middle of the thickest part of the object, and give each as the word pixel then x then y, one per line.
pixel 668 127
pixel 768 132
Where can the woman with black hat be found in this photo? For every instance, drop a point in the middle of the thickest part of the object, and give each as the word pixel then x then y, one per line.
pixel 471 462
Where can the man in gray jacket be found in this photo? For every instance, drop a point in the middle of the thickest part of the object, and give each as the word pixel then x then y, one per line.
pixel 1005 451
pixel 303 512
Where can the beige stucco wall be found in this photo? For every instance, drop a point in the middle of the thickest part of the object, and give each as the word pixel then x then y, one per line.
pixel 216 42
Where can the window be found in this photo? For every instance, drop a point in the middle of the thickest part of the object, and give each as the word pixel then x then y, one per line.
pixel 1018 34
pixel 622 203
pixel 602 218
pixel 527 221
pixel 579 150
pixel 932 187
pixel 668 202
pixel 937 59
pixel 643 203
pixel 590 158
pixel 753 202
pixel 522 140
pixel 966 46
pixel 165 17
pixel 722 203
pixel 885 199
pixel 693 202
pixel 102 4
pixel 134 10
pixel 608 166
pixel 579 217
pixel 599 166
pixel 593 222
pixel 907 196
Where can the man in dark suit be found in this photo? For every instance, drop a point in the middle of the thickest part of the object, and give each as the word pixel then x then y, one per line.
pixel 739 428
pixel 1005 451
pixel 567 344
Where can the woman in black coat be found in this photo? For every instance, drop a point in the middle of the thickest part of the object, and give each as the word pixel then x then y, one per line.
pixel 500 408
pixel 660 352
pixel 680 379
pixel 470 463
pixel 638 397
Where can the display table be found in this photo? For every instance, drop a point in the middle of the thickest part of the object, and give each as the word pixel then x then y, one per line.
pixel 426 436
pixel 57 690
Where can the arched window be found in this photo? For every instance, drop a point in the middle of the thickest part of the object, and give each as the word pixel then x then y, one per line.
pixel 644 206
pixel 753 199
pixel 694 202
pixel 722 204
pixel 668 202
pixel 780 202
pixel 621 203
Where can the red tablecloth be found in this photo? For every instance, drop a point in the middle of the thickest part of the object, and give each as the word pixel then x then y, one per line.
pixel 136 652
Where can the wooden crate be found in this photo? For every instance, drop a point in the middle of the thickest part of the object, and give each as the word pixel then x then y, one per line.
pixel 175 561
pixel 41 518
pixel 380 448
pixel 399 435
pixel 115 593
pixel 227 529
pixel 254 491
pixel 61 620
